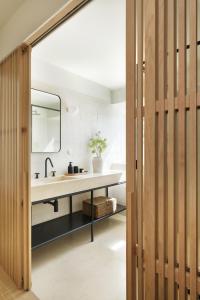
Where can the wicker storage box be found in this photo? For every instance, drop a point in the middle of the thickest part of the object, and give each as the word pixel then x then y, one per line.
pixel 102 206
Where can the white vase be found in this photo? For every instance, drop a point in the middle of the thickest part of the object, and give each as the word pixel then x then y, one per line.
pixel 97 163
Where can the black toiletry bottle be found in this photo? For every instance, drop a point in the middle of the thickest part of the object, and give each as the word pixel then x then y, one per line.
pixel 70 168
pixel 75 169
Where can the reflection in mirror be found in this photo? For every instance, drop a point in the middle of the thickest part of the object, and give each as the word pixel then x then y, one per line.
pixel 46 122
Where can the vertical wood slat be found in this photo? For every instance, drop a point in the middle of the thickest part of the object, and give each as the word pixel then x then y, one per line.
pixel 130 146
pixel 193 209
pixel 161 146
pixel 171 145
pixel 140 146
pixel 149 168
pixel 1 161
pixel 182 147
pixel 25 162
pixel 14 162
pixel 8 170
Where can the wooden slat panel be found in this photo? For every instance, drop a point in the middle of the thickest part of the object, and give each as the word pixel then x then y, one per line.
pixel 193 238
pixel 14 162
pixel 131 147
pixel 161 145
pixel 171 142
pixel 149 168
pixel 182 147
pixel 175 271
pixel 140 146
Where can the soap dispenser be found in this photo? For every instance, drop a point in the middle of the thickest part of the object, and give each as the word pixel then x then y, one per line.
pixel 70 168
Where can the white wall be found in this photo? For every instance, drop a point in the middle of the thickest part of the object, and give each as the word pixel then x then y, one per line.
pixel 118 95
pixel 28 17
pixel 94 113
pixel 55 76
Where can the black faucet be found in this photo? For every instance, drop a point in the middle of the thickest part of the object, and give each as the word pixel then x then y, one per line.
pixel 46 160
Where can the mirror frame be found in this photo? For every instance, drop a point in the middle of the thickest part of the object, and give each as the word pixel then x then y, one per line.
pixel 32 123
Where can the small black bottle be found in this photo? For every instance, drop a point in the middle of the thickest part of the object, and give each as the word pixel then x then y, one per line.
pixel 70 168
pixel 75 169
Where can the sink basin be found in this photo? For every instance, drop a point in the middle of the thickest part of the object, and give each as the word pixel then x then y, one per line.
pixel 52 179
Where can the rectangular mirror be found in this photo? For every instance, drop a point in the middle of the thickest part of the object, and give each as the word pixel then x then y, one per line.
pixel 46 122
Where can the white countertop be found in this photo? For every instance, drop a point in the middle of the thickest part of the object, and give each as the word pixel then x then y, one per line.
pixel 46 188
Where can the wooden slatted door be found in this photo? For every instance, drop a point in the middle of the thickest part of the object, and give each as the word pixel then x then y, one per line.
pixel 163 136
pixel 14 167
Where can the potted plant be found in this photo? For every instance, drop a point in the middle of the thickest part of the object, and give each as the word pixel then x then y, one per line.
pixel 97 145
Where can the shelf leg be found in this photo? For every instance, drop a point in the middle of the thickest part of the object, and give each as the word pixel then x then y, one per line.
pixel 70 210
pixel 70 205
pixel 107 191
pixel 92 217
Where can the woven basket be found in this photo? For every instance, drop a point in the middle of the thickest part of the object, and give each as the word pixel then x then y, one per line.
pixel 102 206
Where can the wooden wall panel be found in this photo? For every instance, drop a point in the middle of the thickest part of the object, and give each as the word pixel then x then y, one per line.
pixel 167 156
pixel 14 167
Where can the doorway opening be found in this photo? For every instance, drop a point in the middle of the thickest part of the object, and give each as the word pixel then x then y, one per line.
pixel 78 159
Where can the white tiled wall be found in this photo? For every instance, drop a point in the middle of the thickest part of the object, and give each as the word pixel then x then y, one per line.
pixel 93 114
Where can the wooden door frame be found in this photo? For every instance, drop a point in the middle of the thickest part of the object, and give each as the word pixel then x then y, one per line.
pixel 61 16
pixel 58 18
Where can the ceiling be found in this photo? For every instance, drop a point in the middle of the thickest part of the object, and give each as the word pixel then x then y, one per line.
pixel 90 44
pixel 7 9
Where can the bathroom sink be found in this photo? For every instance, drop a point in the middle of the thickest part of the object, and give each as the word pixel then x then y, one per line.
pixel 46 188
pixel 52 179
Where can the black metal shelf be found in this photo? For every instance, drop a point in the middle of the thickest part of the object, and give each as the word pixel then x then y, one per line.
pixel 51 230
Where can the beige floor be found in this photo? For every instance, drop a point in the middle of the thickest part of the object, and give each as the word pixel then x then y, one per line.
pixel 72 268
pixel 8 290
